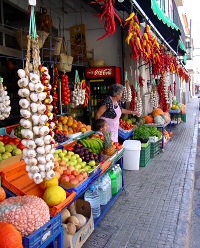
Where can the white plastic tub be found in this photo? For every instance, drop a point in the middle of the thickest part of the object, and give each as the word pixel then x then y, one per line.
pixel 131 156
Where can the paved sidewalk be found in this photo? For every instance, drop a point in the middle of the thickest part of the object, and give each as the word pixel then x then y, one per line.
pixel 156 209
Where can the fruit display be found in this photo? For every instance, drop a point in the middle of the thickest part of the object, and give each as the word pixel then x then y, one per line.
pixel 95 145
pixel 60 137
pixel 4 102
pixel 108 146
pixel 10 147
pixel 87 154
pixel 17 131
pixel 69 125
pixel 176 105
pixel 117 146
pixel 125 125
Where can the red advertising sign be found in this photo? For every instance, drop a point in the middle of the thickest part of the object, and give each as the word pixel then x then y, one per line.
pixel 100 72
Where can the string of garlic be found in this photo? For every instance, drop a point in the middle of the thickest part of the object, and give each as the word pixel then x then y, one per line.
pixel 127 93
pixel 4 102
pixel 78 95
pixel 37 118
pixel 154 98
pixel 139 107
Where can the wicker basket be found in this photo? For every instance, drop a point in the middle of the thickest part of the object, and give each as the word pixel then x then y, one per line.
pixel 22 38
pixel 53 46
pixel 97 63
pixel 65 63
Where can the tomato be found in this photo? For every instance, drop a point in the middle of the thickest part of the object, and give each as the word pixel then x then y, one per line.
pixel 6 137
pixel 20 146
pixel 16 141
pixel 1 137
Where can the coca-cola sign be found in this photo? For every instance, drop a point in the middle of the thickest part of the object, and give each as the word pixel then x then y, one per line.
pixel 100 72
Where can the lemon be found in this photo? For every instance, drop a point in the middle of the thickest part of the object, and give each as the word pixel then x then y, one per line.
pixel 48 183
pixel 54 195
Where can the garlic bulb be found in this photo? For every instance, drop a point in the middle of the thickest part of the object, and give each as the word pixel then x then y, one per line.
pixel 4 102
pixel 37 122
pixel 78 95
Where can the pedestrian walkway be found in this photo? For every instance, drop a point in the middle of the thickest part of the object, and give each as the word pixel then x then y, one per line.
pixel 156 210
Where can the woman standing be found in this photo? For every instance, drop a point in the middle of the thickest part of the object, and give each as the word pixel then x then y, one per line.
pixel 111 110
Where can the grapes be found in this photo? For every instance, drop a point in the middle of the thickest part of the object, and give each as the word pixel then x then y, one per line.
pixel 60 137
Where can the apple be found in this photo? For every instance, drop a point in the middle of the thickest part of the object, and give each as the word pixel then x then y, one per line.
pixel 68 155
pixel 66 159
pixel 71 163
pixel 83 163
pixel 64 178
pixel 80 178
pixel 67 172
pixel 71 177
pixel 70 167
pixel 77 167
pixel 92 163
pixel 74 181
pixel 73 158
pixel 70 152
pixel 77 156
pixel 84 173
pixel 75 173
pixel 79 160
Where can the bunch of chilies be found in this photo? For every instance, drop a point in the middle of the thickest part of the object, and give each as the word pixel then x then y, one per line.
pixel 36 112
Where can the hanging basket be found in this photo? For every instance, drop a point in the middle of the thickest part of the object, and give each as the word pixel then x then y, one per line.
pixel 21 37
pixel 53 46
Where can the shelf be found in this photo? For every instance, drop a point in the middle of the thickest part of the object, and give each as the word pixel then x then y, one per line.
pixel 104 209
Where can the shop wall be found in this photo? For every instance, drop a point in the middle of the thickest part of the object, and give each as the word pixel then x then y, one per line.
pixel 108 49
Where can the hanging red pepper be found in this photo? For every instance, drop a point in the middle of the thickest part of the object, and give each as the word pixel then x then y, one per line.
pixel 54 91
pixel 134 98
pixel 141 81
pixel 109 15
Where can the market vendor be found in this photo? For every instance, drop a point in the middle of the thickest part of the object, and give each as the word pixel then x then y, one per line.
pixel 111 110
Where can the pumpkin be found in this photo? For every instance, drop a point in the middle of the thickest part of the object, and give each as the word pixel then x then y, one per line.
pixel 9 236
pixel 157 111
pixel 2 194
pixel 148 119
pixel 159 120
pixel 27 213
pixel 167 116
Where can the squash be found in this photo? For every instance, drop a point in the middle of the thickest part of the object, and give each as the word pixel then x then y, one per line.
pixel 27 213
pixel 167 116
pixel 2 194
pixel 148 119
pixel 157 111
pixel 9 236
pixel 159 120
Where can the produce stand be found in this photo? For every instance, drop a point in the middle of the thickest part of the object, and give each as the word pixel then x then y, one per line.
pixel 162 127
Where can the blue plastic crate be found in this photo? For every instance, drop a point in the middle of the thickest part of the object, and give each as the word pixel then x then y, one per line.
pixel 45 234
pixel 125 134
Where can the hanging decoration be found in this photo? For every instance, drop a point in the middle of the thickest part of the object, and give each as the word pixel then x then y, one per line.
pixel 134 98
pixel 134 38
pixel 54 91
pixel 78 95
pixel 141 81
pixel 127 94
pixel 36 112
pixel 65 89
pixel 109 15
pixel 87 90
pixel 163 94
pixel 4 102
pixel 154 97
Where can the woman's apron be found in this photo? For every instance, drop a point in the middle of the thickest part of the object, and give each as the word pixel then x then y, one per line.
pixel 113 124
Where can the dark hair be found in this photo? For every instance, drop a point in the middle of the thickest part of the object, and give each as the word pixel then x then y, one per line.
pixel 116 89
pixel 98 124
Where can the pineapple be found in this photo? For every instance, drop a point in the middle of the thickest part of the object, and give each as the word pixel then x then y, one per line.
pixel 108 147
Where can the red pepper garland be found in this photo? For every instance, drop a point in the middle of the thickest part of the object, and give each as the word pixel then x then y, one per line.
pixel 161 92
pixel 134 98
pixel 109 15
pixel 87 92
pixel 65 90
pixel 54 91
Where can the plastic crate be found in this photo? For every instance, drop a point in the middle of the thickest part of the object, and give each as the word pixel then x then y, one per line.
pixel 12 178
pixel 47 234
pixel 183 117
pixel 123 134
pixel 145 154
pixel 2 131
pixel 155 148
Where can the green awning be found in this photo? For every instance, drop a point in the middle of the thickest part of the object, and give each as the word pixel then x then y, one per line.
pixel 162 16
pixel 181 45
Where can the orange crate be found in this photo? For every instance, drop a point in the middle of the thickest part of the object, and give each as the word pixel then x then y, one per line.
pixel 105 166
pixel 15 178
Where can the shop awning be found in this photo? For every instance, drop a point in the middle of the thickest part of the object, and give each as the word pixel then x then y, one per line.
pixel 162 16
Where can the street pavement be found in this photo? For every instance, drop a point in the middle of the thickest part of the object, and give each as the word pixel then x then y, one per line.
pixel 156 209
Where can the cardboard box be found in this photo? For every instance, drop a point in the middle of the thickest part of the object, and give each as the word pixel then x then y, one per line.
pixel 79 238
pixel 9 161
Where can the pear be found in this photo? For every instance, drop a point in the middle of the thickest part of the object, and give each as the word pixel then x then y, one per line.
pixel 16 152
pixel 8 148
pixel 2 149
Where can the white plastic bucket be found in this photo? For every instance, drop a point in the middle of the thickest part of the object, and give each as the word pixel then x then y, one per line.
pixel 131 156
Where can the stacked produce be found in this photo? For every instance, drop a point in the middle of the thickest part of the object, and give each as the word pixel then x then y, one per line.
pixel 94 144
pixel 4 102
pixel 126 125
pixel 60 137
pixel 69 125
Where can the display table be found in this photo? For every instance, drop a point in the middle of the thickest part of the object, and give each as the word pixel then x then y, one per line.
pixel 162 127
